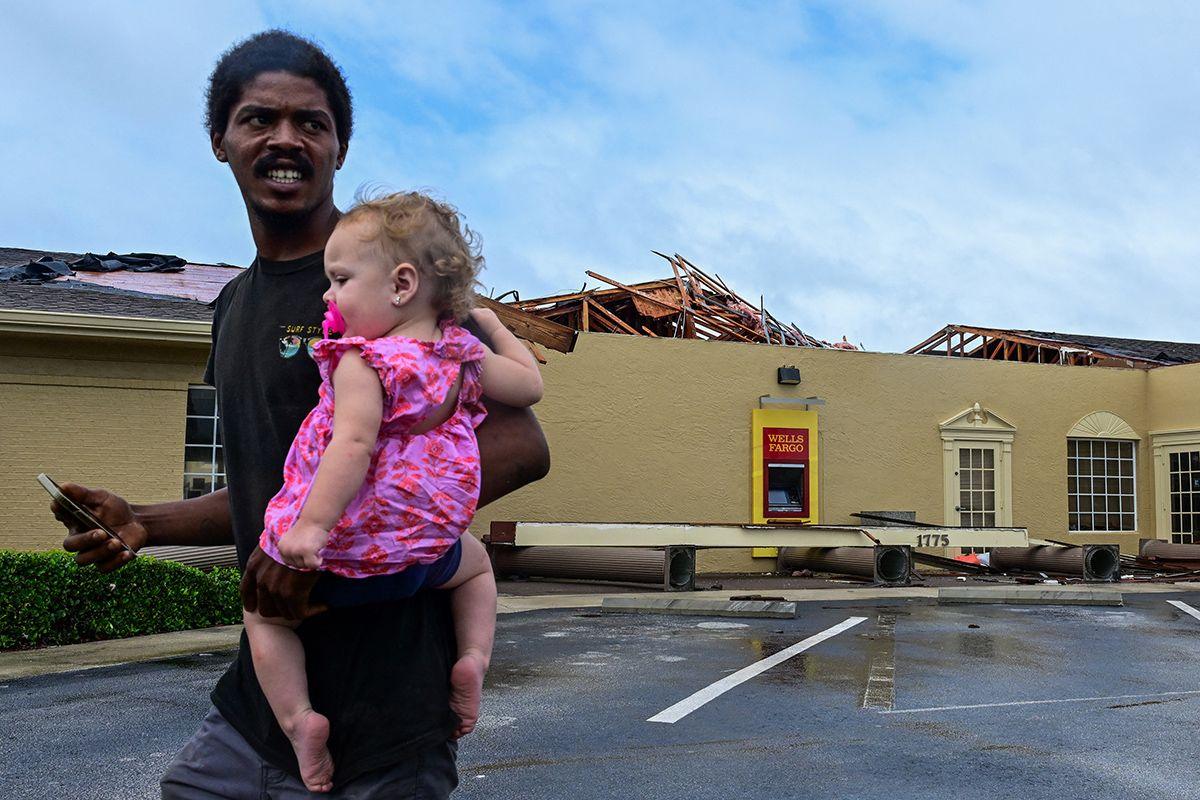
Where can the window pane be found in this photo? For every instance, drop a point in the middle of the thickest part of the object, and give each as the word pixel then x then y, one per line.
pixel 1174 462
pixel 196 485
pixel 197 459
pixel 1127 522
pixel 220 462
pixel 1085 467
pixel 988 459
pixel 199 430
pixel 201 402
pixel 964 458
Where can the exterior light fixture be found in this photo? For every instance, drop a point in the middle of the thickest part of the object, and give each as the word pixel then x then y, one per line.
pixel 788 375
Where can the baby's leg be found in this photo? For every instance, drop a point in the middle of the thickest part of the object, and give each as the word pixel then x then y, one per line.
pixel 473 601
pixel 279 663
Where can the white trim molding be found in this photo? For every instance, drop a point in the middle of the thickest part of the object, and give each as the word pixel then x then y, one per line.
pixel 977 427
pixel 56 323
pixel 1102 425
pixel 1162 444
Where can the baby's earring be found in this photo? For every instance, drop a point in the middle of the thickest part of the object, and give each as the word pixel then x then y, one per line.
pixel 396 301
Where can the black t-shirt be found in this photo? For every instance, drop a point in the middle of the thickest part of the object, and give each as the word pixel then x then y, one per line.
pixel 379 672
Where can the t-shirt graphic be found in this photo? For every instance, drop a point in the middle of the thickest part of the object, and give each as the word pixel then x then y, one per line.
pixel 297 337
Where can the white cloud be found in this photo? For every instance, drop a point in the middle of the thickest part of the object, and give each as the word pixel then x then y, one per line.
pixel 875 172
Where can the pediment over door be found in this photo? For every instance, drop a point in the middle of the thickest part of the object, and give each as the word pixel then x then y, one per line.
pixel 977 421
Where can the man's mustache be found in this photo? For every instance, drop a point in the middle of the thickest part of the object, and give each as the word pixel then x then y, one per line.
pixel 281 161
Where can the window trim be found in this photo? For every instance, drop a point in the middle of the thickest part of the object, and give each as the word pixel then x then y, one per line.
pixel 1133 446
pixel 213 476
pixel 977 427
pixel 1163 443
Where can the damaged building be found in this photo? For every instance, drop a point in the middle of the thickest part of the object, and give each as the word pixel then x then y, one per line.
pixel 661 400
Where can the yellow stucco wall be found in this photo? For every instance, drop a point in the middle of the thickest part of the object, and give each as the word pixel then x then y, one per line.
pixel 1175 398
pixel 658 431
pixel 105 414
pixel 640 430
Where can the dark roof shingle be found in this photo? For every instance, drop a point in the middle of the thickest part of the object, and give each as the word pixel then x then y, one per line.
pixel 75 297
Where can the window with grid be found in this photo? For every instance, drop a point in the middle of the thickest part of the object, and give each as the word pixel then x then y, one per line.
pixel 1101 485
pixel 1184 470
pixel 203 456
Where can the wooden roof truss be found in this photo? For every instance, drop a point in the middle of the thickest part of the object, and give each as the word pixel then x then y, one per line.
pixel 965 341
pixel 691 304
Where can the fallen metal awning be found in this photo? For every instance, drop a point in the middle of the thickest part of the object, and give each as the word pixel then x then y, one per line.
pixel 608 534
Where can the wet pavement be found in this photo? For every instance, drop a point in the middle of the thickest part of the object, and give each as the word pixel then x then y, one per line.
pixel 914 701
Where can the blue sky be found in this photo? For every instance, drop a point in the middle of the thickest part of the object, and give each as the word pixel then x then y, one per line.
pixel 875 169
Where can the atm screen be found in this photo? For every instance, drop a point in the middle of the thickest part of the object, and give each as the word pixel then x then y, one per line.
pixel 785 487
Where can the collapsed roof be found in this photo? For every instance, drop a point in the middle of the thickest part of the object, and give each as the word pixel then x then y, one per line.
pixel 1042 347
pixel 690 304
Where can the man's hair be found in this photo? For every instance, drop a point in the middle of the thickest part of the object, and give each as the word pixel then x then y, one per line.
pixel 413 227
pixel 276 51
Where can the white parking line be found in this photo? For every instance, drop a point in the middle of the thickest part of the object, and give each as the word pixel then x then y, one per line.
pixel 880 692
pixel 713 691
pixel 1185 608
pixel 1042 702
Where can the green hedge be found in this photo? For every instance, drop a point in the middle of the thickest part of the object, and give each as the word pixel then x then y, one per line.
pixel 47 599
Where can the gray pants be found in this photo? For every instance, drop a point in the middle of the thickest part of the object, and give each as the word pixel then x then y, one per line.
pixel 219 763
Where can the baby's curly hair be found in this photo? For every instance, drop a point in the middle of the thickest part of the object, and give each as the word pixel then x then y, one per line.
pixel 427 233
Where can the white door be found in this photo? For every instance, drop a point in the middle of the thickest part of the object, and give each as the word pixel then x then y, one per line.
pixel 1183 472
pixel 978 502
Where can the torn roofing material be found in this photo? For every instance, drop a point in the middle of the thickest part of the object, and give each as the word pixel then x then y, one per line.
pixel 691 304
pixel 1047 347
pixel 167 287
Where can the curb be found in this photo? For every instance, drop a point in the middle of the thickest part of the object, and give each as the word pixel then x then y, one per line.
pixel 770 609
pixel 1041 597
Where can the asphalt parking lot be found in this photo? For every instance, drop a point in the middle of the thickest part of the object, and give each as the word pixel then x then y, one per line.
pixel 903 699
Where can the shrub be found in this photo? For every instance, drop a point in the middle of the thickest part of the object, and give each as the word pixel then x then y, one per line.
pixel 47 599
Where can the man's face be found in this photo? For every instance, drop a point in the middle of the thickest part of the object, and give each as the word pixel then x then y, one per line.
pixel 282 146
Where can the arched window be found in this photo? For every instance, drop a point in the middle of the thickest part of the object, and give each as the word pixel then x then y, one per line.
pixel 1102 475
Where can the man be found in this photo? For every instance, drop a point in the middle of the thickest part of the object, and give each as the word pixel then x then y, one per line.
pixel 279 114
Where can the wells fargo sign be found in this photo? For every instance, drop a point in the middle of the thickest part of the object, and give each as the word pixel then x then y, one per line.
pixel 783 468
pixel 786 443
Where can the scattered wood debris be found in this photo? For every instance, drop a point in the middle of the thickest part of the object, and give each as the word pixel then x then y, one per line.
pixel 691 304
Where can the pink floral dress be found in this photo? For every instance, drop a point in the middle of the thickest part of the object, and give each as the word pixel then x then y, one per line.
pixel 421 490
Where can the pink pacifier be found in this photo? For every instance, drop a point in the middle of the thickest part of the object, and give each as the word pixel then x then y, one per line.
pixel 333 325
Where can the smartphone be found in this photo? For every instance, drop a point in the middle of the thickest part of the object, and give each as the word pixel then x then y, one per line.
pixel 81 516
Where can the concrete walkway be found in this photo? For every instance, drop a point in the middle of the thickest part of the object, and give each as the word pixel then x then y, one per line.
pixel 69 658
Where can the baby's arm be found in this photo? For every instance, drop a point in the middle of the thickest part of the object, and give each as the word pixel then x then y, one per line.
pixel 357 415
pixel 510 373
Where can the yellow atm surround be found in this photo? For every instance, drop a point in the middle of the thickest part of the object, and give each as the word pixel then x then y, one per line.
pixel 783 468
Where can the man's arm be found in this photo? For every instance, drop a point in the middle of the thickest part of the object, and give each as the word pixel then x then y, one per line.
pixel 203 520
pixel 512 448
pixel 512 451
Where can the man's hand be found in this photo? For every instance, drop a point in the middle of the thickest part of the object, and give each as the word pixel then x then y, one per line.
pixel 95 546
pixel 301 545
pixel 487 321
pixel 273 590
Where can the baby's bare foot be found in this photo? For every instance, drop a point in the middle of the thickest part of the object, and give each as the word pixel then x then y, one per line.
pixel 466 691
pixel 309 735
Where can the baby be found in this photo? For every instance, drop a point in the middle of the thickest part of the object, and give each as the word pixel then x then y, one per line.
pixel 384 480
